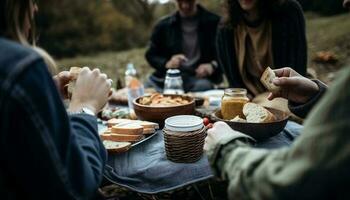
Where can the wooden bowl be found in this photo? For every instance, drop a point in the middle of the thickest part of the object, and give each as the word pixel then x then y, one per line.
pixel 259 131
pixel 158 114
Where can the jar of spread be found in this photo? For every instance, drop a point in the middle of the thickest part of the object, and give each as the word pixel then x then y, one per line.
pixel 232 103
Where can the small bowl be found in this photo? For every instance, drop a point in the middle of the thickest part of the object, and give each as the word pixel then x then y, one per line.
pixel 158 114
pixel 258 131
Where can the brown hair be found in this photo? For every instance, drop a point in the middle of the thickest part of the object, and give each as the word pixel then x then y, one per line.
pixel 12 18
pixel 234 13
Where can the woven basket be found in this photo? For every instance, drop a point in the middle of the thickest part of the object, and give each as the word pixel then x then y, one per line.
pixel 184 147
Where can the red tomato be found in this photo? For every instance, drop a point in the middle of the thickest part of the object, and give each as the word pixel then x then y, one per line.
pixel 206 121
pixel 210 125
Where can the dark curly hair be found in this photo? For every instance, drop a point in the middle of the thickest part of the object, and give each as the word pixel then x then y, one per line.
pixel 234 13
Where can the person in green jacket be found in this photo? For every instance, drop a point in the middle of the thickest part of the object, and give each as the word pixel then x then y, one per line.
pixel 316 166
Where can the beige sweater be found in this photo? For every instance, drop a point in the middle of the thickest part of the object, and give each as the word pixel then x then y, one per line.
pixel 254 52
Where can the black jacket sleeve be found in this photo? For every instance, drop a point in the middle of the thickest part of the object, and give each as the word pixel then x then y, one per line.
pixel 47 153
pixel 301 110
pixel 155 54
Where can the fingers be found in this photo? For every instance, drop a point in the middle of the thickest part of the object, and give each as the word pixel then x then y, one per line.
pixel 182 58
pixel 283 72
pixel 286 81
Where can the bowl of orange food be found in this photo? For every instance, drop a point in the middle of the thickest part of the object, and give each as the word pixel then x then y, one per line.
pixel 158 107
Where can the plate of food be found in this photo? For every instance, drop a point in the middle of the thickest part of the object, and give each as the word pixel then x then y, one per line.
pixel 258 122
pixel 119 135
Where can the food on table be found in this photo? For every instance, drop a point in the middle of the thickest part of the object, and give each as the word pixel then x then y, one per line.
pixel 129 129
pixel 255 113
pixel 157 99
pixel 267 78
pixel 115 112
pixel 119 97
pixel 124 130
pixel 125 122
pixel 232 103
pixel 121 137
pixel 238 119
pixel 209 126
pixel 206 121
pixel 116 147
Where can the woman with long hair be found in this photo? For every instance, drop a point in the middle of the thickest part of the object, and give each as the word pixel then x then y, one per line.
pixel 256 34
pixel 45 152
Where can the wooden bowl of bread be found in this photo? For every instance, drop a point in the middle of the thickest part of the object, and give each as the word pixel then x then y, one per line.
pixel 158 107
pixel 260 122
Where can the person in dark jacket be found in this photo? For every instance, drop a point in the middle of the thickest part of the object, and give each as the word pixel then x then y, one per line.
pixel 256 34
pixel 45 153
pixel 185 41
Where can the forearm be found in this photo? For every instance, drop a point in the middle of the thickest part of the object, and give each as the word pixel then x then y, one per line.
pixel 90 155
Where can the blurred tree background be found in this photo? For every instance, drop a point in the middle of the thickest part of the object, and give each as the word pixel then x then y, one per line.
pixel 69 28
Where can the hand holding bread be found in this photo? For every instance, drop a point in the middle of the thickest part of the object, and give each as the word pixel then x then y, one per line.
pixel 91 90
pixel 293 86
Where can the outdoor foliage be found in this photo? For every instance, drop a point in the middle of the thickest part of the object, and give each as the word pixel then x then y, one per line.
pixel 323 7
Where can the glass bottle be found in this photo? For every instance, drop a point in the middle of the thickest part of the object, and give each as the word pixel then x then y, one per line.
pixel 134 85
pixel 173 82
pixel 232 103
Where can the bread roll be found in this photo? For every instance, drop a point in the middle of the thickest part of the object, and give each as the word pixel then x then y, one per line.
pixel 257 114
pixel 267 78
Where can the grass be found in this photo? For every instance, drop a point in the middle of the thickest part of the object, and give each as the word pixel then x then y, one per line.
pixel 329 33
pixel 323 33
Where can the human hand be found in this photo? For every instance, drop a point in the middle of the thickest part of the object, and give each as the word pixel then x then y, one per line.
pixel 219 131
pixel 61 80
pixel 91 90
pixel 294 86
pixel 176 61
pixel 204 70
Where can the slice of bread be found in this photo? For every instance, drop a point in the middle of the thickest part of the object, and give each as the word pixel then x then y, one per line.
pixel 257 114
pixel 267 78
pixel 129 129
pixel 121 137
pixel 127 122
pixel 148 131
pixel 114 121
pixel 116 147
pixel 238 119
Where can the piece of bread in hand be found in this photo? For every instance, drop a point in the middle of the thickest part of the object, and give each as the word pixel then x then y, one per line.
pixel 121 137
pixel 267 78
pixel 74 72
pixel 257 114
pixel 238 119
pixel 116 147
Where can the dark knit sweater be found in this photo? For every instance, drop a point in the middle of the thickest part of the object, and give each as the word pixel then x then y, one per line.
pixel 289 46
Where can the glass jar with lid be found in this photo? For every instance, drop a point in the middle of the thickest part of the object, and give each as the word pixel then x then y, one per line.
pixel 232 103
pixel 173 82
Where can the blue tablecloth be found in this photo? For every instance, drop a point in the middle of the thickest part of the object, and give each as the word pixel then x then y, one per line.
pixel 145 168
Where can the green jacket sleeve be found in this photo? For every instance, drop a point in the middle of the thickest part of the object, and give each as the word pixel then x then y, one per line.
pixel 315 166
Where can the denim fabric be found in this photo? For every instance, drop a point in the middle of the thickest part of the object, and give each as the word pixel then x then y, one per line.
pixel 45 154
pixel 146 169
